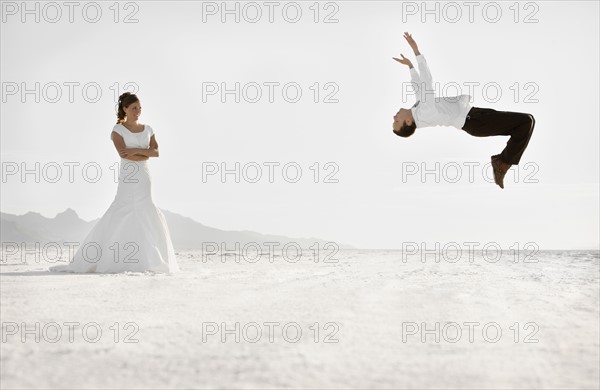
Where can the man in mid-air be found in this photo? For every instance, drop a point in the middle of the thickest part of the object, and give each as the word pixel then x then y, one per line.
pixel 456 111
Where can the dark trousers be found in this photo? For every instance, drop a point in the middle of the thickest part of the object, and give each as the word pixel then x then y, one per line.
pixel 485 122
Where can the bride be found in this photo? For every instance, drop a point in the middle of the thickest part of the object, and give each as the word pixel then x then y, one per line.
pixel 132 235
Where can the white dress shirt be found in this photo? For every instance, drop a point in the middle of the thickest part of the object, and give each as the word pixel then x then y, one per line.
pixel 431 110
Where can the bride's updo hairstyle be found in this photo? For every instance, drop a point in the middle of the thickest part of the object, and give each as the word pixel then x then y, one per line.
pixel 125 100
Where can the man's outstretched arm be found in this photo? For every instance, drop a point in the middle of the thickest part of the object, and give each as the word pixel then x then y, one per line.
pixel 421 81
pixel 423 68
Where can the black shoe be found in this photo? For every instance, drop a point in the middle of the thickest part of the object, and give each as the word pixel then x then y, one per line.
pixel 500 169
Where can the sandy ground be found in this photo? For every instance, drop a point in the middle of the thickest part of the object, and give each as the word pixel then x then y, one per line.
pixel 362 321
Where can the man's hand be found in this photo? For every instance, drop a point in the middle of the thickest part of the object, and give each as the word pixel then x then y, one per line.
pixel 412 43
pixel 404 61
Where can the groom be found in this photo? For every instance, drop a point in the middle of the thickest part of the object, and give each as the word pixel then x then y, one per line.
pixel 456 111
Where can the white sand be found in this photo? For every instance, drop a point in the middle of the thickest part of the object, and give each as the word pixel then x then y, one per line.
pixel 368 294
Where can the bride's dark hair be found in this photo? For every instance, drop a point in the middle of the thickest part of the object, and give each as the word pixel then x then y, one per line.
pixel 125 100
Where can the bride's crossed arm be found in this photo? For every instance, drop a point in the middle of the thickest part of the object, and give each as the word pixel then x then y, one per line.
pixel 152 150
pixel 133 154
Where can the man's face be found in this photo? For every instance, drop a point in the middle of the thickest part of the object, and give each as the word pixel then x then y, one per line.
pixel 401 116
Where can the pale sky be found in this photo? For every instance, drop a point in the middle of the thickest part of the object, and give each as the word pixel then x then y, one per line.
pixel 170 54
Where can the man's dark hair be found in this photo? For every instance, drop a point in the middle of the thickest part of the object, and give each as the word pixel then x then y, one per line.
pixel 406 130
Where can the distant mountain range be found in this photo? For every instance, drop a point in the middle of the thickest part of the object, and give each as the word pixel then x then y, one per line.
pixel 186 233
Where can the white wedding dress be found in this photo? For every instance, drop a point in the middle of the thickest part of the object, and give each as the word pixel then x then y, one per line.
pixel 132 235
